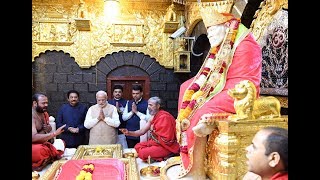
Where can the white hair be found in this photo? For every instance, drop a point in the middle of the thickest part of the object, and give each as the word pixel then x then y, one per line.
pixel 155 99
pixel 101 93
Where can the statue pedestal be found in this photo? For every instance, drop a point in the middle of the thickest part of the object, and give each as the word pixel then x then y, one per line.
pixel 223 155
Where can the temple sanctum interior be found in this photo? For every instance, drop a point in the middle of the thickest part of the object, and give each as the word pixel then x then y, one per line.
pixel 93 45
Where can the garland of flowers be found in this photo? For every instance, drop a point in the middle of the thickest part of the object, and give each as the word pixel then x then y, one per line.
pixel 86 172
pixel 206 79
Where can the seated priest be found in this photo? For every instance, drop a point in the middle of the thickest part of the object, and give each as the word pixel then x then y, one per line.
pixel 43 151
pixel 162 143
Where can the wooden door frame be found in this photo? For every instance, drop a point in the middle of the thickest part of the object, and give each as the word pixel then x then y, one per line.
pixel 145 89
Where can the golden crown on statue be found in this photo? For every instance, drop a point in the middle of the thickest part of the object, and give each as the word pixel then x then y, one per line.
pixel 211 12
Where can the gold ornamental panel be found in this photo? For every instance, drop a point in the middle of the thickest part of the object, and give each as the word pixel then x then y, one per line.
pixel 52 32
pixel 84 31
pixel 128 35
pixel 98 151
pixel 265 15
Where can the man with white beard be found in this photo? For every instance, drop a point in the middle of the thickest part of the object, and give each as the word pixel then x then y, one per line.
pixel 102 119
pixel 162 143
pixel 234 56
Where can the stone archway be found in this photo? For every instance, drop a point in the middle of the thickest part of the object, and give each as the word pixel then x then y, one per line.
pixel 56 72
pixel 136 64
pixel 129 67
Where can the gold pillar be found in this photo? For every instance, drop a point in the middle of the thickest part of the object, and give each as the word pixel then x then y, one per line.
pixel 227 144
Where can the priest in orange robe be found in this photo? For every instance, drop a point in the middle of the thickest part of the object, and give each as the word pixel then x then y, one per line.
pixel 162 143
pixel 43 151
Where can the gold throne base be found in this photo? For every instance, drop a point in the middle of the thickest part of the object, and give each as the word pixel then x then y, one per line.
pixel 226 145
pixel 225 157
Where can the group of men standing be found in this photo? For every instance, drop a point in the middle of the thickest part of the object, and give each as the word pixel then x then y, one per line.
pixel 99 124
pixel 234 56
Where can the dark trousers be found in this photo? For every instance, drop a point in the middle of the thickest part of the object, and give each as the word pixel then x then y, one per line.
pixel 86 137
pixel 132 142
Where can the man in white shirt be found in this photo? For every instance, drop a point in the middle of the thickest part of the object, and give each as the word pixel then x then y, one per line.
pixel 102 119
pixel 135 113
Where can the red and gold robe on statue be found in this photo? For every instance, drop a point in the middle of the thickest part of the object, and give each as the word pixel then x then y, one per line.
pixel 162 142
pixel 245 65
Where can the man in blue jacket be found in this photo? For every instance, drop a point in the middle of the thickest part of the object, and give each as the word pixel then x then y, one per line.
pixel 135 111
pixel 73 115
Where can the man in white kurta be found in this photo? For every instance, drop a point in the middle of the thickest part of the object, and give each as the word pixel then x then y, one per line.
pixel 102 119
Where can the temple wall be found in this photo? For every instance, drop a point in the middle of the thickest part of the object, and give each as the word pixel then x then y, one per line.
pixel 71 38
pixel 91 29
pixel 55 72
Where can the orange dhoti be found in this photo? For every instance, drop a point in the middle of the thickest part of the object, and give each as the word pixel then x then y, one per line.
pixel 162 143
pixel 43 154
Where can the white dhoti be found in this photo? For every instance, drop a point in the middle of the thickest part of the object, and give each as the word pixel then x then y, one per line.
pixel 145 136
pixel 122 140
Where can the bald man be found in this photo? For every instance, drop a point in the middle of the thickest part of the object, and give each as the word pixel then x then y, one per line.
pixel 43 151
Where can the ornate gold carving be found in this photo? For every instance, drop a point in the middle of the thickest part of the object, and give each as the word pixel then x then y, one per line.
pixel 225 148
pixel 50 173
pixel 170 27
pixel 53 43
pixel 82 10
pixel 83 24
pixel 247 106
pixel 149 4
pixel 227 143
pixel 212 159
pixel 87 47
pixel 98 151
pixel 264 16
pixel 171 15
pixel 54 31
pixel 131 164
pixel 266 107
pixel 180 1
pixel 170 24
pixel 128 35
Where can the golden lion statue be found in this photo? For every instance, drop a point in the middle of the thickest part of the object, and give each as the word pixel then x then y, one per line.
pixel 247 106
